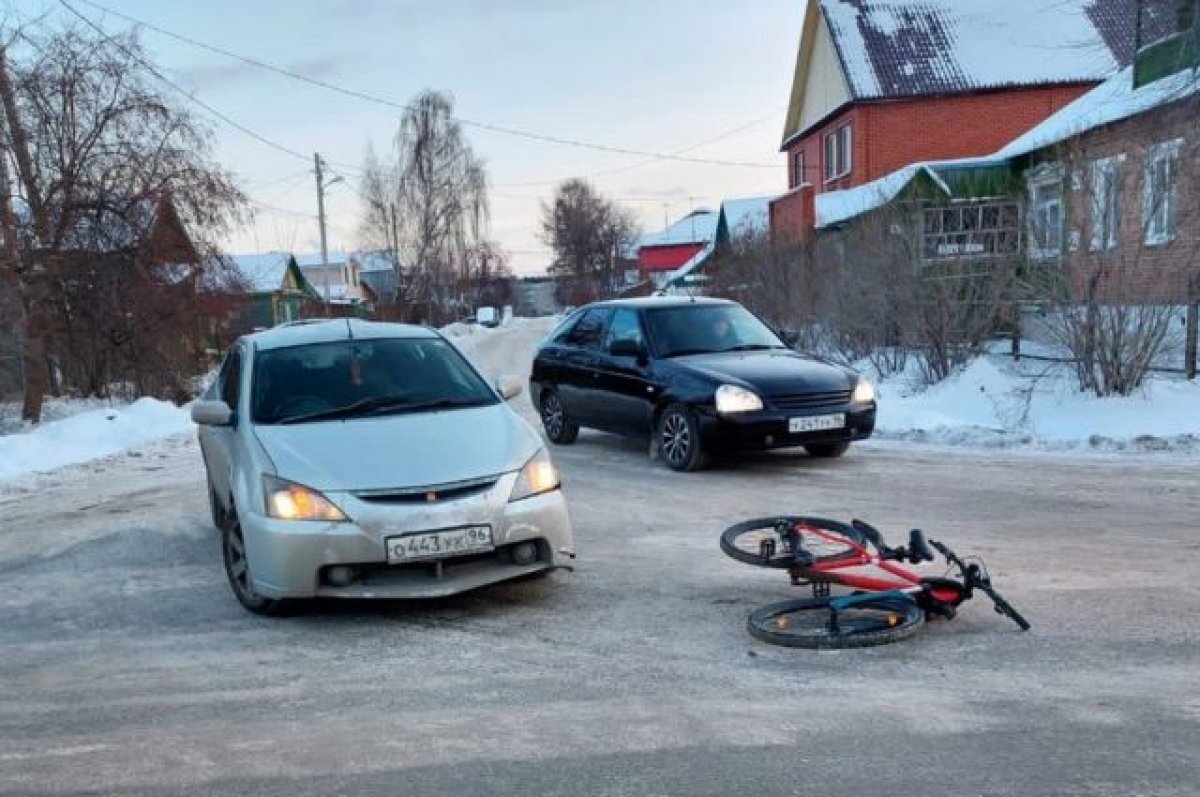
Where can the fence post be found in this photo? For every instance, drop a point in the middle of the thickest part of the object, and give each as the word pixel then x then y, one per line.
pixel 1189 351
pixel 1016 332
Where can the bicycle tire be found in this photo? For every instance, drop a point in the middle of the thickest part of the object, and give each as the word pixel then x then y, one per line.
pixel 805 623
pixel 742 541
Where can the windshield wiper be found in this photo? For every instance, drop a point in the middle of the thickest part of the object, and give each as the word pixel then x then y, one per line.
pixel 435 404
pixel 753 347
pixel 364 406
pixel 686 352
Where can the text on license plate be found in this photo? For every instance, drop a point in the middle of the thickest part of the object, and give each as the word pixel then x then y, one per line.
pixel 816 423
pixel 439 544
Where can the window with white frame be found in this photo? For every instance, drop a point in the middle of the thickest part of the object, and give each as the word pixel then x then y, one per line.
pixel 838 157
pixel 1045 216
pixel 987 228
pixel 1106 202
pixel 1158 192
pixel 798 166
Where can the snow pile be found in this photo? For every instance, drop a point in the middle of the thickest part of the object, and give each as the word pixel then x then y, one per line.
pixel 90 435
pixel 991 403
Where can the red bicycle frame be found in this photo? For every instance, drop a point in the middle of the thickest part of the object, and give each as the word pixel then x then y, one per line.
pixel 842 570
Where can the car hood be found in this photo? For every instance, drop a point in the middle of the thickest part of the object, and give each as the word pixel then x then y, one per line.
pixel 395 451
pixel 772 373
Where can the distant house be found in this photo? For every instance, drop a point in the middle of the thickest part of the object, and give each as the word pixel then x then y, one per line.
pixel 884 84
pixel 377 275
pixel 1112 176
pixel 660 254
pixel 279 291
pixel 740 222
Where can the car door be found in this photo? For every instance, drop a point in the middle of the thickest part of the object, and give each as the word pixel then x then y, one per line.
pixel 577 365
pixel 624 390
pixel 217 442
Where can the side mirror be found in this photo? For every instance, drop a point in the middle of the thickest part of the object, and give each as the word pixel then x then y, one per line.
pixel 509 387
pixel 626 348
pixel 212 413
pixel 789 336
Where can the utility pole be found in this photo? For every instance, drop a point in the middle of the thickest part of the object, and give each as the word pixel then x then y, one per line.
pixel 317 167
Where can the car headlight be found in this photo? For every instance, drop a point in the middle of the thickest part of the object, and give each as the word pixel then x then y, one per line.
pixel 731 399
pixel 864 392
pixel 538 476
pixel 290 501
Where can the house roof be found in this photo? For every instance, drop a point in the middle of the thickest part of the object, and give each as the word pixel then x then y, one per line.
pixel 747 215
pixel 264 273
pixel 698 227
pixel 909 48
pixel 1113 100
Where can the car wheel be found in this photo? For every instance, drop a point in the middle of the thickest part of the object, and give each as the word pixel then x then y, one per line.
pixel 827 450
pixel 559 429
pixel 237 569
pixel 215 509
pixel 679 439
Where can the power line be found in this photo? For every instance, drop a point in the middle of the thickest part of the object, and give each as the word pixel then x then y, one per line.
pixel 362 95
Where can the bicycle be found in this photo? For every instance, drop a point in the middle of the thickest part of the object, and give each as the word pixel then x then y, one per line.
pixel 891 601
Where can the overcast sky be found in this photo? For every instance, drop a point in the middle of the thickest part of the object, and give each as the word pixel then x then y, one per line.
pixel 652 75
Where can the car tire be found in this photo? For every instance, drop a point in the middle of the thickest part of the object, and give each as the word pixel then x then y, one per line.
pixel 559 428
pixel 215 509
pixel 827 450
pixel 678 439
pixel 237 570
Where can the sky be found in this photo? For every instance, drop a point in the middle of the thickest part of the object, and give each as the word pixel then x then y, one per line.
pixel 658 76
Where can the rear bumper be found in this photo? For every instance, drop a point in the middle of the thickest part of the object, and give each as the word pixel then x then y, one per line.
pixel 756 431
pixel 291 560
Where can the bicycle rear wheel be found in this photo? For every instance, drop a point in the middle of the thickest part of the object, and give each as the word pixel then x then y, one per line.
pixel 759 541
pixel 809 623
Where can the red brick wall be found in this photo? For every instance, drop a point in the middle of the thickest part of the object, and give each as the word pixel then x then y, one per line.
pixel 891 134
pixel 666 258
pixel 792 215
pixel 1135 270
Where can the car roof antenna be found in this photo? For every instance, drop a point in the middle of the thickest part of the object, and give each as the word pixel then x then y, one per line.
pixel 349 329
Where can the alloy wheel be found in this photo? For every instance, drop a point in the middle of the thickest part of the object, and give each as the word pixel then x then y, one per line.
pixel 552 416
pixel 235 561
pixel 676 440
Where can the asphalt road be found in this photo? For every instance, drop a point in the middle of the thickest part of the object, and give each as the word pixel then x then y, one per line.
pixel 126 666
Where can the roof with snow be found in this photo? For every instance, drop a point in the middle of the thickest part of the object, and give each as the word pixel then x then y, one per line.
pixel 746 216
pixel 698 227
pixel 264 273
pixel 907 48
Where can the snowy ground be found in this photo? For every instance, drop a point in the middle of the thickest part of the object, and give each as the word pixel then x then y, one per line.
pixel 128 668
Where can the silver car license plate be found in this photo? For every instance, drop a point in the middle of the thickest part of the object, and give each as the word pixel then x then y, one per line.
pixel 816 423
pixel 439 544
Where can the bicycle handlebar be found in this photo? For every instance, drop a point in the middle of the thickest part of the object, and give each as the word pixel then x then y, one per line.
pixel 973 580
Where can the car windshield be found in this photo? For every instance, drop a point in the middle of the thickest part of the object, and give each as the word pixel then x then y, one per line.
pixel 706 328
pixel 360 378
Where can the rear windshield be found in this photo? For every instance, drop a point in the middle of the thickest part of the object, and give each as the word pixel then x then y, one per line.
pixel 348 379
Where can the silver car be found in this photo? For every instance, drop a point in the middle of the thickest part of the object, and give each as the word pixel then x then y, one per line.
pixel 353 459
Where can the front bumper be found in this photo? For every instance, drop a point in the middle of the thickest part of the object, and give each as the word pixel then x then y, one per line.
pixel 766 429
pixel 290 559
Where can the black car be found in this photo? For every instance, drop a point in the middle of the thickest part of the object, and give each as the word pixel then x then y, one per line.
pixel 701 375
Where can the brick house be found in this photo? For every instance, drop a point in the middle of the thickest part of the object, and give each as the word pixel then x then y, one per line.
pixel 660 254
pixel 884 84
pixel 1108 187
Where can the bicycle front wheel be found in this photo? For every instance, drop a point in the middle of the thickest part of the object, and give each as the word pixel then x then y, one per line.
pixel 759 541
pixel 810 623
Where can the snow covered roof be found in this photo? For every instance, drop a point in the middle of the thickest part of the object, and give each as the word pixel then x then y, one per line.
pixel 698 227
pixel 748 215
pixel 374 260
pixel 835 207
pixel 263 272
pixel 1113 100
pixel 906 48
pixel 313 259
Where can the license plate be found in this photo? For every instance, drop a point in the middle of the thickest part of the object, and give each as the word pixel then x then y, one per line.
pixel 439 544
pixel 816 423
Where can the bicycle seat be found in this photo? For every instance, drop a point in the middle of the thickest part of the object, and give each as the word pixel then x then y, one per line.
pixel 918 547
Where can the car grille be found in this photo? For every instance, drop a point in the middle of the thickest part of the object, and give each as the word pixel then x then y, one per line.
pixel 429 494
pixel 811 401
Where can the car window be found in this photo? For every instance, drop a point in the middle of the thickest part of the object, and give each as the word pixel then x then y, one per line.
pixel 625 326
pixel 588 333
pixel 363 377
pixel 559 334
pixel 702 328
pixel 230 379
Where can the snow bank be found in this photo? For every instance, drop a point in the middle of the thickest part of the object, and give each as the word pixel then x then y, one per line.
pixel 991 403
pixel 90 435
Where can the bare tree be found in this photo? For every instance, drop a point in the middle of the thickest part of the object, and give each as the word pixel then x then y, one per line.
pixel 588 234
pixel 427 200
pixel 92 150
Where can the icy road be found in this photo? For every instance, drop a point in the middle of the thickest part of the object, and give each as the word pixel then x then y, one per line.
pixel 126 666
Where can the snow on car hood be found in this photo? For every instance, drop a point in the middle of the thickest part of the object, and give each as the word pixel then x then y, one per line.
pixel 395 451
